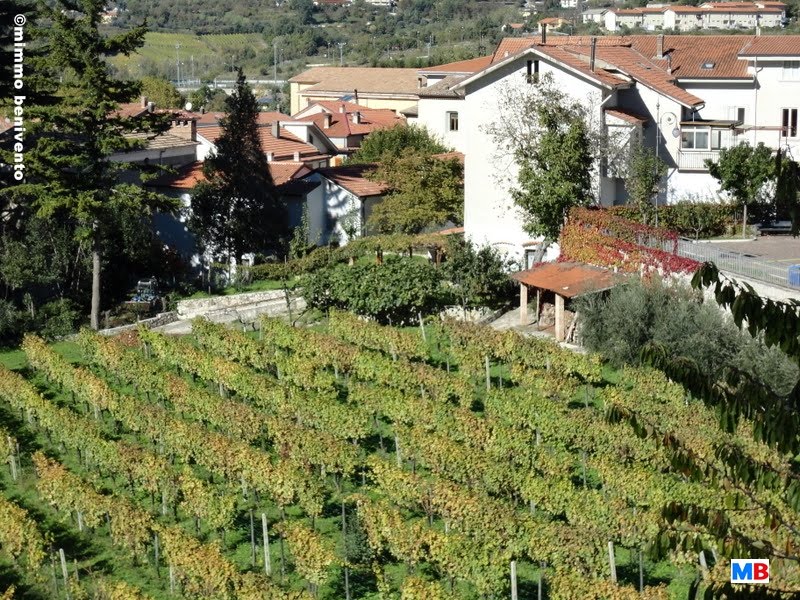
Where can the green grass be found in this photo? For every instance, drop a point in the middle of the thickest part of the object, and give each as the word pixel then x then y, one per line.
pixel 160 48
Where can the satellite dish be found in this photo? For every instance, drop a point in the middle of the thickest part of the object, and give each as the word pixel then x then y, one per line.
pixel 669 119
pixel 188 106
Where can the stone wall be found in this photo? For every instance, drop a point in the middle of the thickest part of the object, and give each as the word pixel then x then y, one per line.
pixel 188 309
pixel 157 321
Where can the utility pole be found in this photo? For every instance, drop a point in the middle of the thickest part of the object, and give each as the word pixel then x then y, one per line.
pixel 341 53
pixel 178 64
pixel 275 62
pixel 430 41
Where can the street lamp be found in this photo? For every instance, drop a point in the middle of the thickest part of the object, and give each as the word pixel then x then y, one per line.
pixel 341 52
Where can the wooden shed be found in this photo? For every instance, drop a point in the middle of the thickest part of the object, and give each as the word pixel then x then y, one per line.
pixel 566 280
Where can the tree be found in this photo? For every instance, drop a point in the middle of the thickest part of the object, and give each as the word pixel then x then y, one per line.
pixel 479 276
pixel 237 210
pixel 787 191
pixel 395 142
pixel 72 130
pixel 425 191
pixel 646 170
pixel 744 172
pixel 546 132
pixel 162 92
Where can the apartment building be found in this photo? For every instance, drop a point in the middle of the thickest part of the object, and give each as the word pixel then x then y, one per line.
pixel 685 97
pixel 710 15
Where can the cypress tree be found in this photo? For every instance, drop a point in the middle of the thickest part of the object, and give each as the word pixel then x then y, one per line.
pixel 237 209
pixel 72 127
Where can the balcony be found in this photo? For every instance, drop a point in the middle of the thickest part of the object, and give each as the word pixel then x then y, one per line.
pixel 694 160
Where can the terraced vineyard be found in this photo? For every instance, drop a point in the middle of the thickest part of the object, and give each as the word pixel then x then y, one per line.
pixel 369 462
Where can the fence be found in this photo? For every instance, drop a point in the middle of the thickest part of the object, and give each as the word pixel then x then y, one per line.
pixel 733 262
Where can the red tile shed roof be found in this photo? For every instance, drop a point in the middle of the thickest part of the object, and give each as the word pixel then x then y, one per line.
pixel 568 279
pixel 626 115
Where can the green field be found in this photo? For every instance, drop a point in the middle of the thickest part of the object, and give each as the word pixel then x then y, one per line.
pixel 205 51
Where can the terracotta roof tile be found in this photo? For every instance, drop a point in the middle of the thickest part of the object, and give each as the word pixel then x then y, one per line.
pixel 778 45
pixel 263 118
pixel 353 179
pixel 471 65
pixel 580 62
pixel 283 147
pixel 188 176
pixel 363 79
pixel 342 124
pixel 626 115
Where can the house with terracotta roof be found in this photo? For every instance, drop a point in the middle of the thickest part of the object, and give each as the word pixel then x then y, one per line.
pixel 342 202
pixel 347 124
pixel 176 146
pixel 686 97
pixel 372 87
pixel 296 141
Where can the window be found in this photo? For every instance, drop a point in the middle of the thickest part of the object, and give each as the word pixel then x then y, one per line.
pixel 716 139
pixel 791 70
pixel 532 75
pixel 789 122
pixel 452 121
pixel 694 138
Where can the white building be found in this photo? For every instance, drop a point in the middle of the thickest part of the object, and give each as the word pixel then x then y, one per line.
pixel 687 97
pixel 710 15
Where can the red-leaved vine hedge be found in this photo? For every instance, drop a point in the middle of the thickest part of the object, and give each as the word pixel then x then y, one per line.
pixel 595 237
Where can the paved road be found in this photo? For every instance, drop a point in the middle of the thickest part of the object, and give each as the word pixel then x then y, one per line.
pixel 783 250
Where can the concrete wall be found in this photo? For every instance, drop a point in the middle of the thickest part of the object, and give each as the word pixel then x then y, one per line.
pixel 433 116
pixel 490 215
pixel 188 309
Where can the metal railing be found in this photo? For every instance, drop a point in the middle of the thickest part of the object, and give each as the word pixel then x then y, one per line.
pixel 694 160
pixel 730 261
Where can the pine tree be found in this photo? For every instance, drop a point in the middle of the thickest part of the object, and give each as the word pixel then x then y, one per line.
pixel 237 209
pixel 72 128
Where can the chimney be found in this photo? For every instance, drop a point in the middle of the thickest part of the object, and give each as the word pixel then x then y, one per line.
pixel 151 106
pixel 357 117
pixel 544 32
pixel 184 128
pixel 276 129
pixel 669 64
pixel 296 156
pixel 592 53
pixel 144 101
pixel 327 123
pixel 202 110
pixel 342 109
pixel 660 46
pixel 270 156
pixel 355 96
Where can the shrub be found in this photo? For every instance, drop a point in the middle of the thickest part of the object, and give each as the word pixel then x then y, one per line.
pixel 479 276
pixel 690 217
pixel 392 292
pixel 58 318
pixel 619 324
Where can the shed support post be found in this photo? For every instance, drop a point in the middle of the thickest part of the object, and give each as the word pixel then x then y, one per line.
pixel 559 318
pixel 523 304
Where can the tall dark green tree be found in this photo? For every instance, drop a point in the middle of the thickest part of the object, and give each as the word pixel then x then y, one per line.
pixel 237 209
pixel 72 128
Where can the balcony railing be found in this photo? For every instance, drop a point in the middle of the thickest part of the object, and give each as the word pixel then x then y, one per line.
pixel 695 160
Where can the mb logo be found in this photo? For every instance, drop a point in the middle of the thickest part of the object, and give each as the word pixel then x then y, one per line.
pixel 746 570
